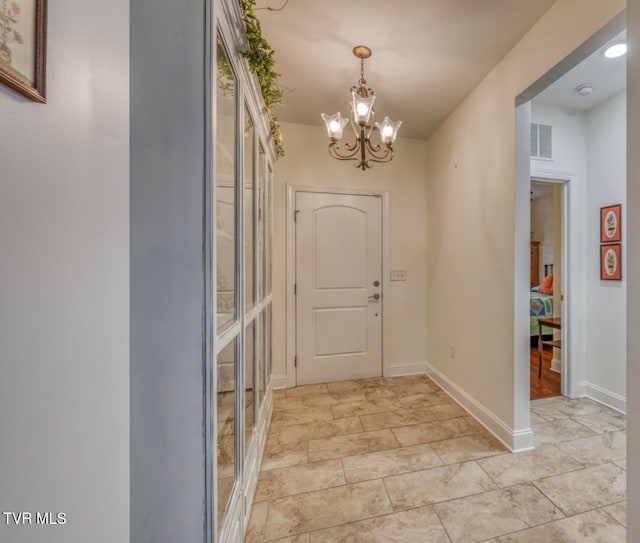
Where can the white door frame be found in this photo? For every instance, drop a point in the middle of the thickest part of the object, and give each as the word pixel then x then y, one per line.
pixel 292 190
pixel 572 334
pixel 565 180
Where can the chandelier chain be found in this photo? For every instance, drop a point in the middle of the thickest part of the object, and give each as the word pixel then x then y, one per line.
pixel 362 82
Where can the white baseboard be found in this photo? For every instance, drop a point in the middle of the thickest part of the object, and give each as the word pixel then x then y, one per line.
pixel 578 391
pixel 556 365
pixel 280 381
pixel 604 396
pixel 255 454
pixel 413 368
pixel 515 441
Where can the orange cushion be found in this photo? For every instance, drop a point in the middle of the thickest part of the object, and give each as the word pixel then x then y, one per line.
pixel 546 287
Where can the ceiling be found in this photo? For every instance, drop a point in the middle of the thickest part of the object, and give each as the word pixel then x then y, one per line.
pixel 427 54
pixel 606 75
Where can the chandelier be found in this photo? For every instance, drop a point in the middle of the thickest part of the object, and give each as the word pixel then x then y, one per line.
pixel 362 117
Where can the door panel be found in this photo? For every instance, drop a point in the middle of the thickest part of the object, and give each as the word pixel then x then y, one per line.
pixel 338 305
pixel 331 245
pixel 331 321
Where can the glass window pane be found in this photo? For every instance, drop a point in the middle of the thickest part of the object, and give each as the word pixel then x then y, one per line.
pixel 269 231
pixel 261 220
pixel 224 191
pixel 249 218
pixel 262 339
pixel 248 383
pixel 270 345
pixel 226 425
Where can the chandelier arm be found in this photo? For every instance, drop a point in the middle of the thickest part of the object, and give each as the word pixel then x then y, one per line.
pixel 377 148
pixel 335 153
pixel 373 147
pixel 372 123
pixel 353 146
pixel 354 125
pixel 387 157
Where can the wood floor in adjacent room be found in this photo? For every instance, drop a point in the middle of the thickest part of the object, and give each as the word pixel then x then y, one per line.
pixel 549 383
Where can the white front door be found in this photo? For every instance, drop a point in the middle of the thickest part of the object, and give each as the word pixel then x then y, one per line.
pixel 339 287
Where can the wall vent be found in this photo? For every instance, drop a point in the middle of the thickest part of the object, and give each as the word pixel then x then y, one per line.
pixel 541 141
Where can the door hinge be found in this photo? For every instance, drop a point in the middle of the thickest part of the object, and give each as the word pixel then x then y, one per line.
pixel 295 289
pixel 295 215
pixel 295 361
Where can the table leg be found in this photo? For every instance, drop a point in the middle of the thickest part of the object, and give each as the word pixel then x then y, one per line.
pixel 540 347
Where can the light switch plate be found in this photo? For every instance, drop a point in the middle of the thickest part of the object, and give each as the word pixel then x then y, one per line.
pixel 398 275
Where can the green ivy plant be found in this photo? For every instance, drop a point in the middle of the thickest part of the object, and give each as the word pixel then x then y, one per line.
pixel 259 55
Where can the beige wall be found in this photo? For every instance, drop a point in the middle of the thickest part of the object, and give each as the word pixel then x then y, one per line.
pixel 471 218
pixel 307 163
pixel 542 219
pixel 542 230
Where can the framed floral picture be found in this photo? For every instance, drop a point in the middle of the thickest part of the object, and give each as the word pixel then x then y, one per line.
pixel 23 45
pixel 610 225
pixel 610 262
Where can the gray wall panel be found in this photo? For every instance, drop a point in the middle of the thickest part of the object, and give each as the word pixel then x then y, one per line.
pixel 167 172
pixel 64 284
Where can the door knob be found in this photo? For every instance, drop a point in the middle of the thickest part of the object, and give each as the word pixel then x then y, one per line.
pixel 375 297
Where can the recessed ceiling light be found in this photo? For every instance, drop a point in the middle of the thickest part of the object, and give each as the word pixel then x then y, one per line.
pixel 584 90
pixel 616 50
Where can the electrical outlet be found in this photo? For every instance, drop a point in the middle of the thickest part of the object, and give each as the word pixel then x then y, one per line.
pixel 452 351
pixel 398 275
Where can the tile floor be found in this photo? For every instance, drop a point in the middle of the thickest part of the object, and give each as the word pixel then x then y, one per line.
pixel 396 460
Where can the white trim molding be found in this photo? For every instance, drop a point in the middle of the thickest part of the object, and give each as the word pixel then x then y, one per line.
pixel 279 382
pixel 410 368
pixel 514 440
pixel 604 396
pixel 256 453
pixel 550 174
pixel 569 366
